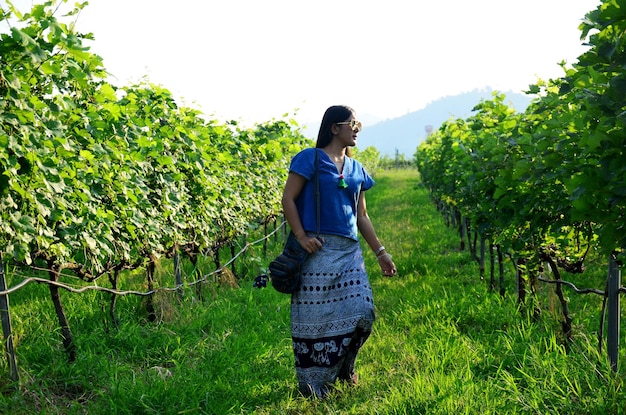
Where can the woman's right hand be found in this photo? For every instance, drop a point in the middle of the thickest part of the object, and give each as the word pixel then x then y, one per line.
pixel 310 244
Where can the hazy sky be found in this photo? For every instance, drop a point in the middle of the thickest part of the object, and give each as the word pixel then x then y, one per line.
pixel 254 60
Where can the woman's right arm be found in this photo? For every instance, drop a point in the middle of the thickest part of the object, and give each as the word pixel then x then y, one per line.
pixel 293 187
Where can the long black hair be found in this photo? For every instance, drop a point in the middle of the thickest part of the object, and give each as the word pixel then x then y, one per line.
pixel 334 114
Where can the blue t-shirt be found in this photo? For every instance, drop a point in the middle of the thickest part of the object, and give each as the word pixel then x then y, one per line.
pixel 338 207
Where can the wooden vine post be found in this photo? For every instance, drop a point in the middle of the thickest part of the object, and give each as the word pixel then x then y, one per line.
pixel 613 293
pixel 5 315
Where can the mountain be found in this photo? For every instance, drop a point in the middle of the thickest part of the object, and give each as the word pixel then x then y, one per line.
pixel 405 133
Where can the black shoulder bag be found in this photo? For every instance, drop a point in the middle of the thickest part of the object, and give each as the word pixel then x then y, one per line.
pixel 286 270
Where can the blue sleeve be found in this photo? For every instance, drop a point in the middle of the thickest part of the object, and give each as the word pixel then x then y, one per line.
pixel 303 163
pixel 368 182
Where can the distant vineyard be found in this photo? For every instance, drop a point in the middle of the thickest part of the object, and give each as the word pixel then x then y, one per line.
pixel 547 186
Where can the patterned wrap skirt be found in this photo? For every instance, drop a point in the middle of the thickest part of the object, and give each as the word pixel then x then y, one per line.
pixel 331 315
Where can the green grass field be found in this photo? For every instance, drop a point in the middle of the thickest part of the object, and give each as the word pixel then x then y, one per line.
pixel 442 344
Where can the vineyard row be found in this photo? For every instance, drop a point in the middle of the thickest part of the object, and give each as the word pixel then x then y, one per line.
pixel 546 187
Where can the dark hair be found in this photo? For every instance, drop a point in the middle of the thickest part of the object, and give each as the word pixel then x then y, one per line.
pixel 334 114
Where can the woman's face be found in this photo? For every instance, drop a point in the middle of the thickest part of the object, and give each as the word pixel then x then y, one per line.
pixel 348 130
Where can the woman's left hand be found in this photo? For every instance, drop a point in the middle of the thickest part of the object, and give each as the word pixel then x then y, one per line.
pixel 387 265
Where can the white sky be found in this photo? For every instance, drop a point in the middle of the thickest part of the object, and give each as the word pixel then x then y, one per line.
pixel 255 60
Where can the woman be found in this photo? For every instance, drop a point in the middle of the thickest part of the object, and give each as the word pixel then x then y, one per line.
pixel 333 312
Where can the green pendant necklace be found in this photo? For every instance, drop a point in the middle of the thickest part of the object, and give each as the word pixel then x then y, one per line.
pixel 342 182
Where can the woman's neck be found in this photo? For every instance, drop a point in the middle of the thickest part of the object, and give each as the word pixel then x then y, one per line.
pixel 335 153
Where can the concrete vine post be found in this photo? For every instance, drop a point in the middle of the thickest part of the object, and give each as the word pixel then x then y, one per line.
pixel 177 273
pixel 613 293
pixel 5 315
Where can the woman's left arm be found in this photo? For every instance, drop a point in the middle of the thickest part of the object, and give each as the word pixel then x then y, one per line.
pixel 369 234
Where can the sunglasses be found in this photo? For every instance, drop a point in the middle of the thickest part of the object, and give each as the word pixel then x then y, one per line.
pixel 354 124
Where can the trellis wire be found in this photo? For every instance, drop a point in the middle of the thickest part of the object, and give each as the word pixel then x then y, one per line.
pixel 70 288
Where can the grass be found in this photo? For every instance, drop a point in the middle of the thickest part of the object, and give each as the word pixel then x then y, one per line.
pixel 442 344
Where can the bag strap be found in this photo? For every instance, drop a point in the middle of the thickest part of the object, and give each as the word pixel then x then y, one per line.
pixel 317 190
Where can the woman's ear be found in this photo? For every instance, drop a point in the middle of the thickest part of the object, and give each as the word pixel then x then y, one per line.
pixel 334 129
